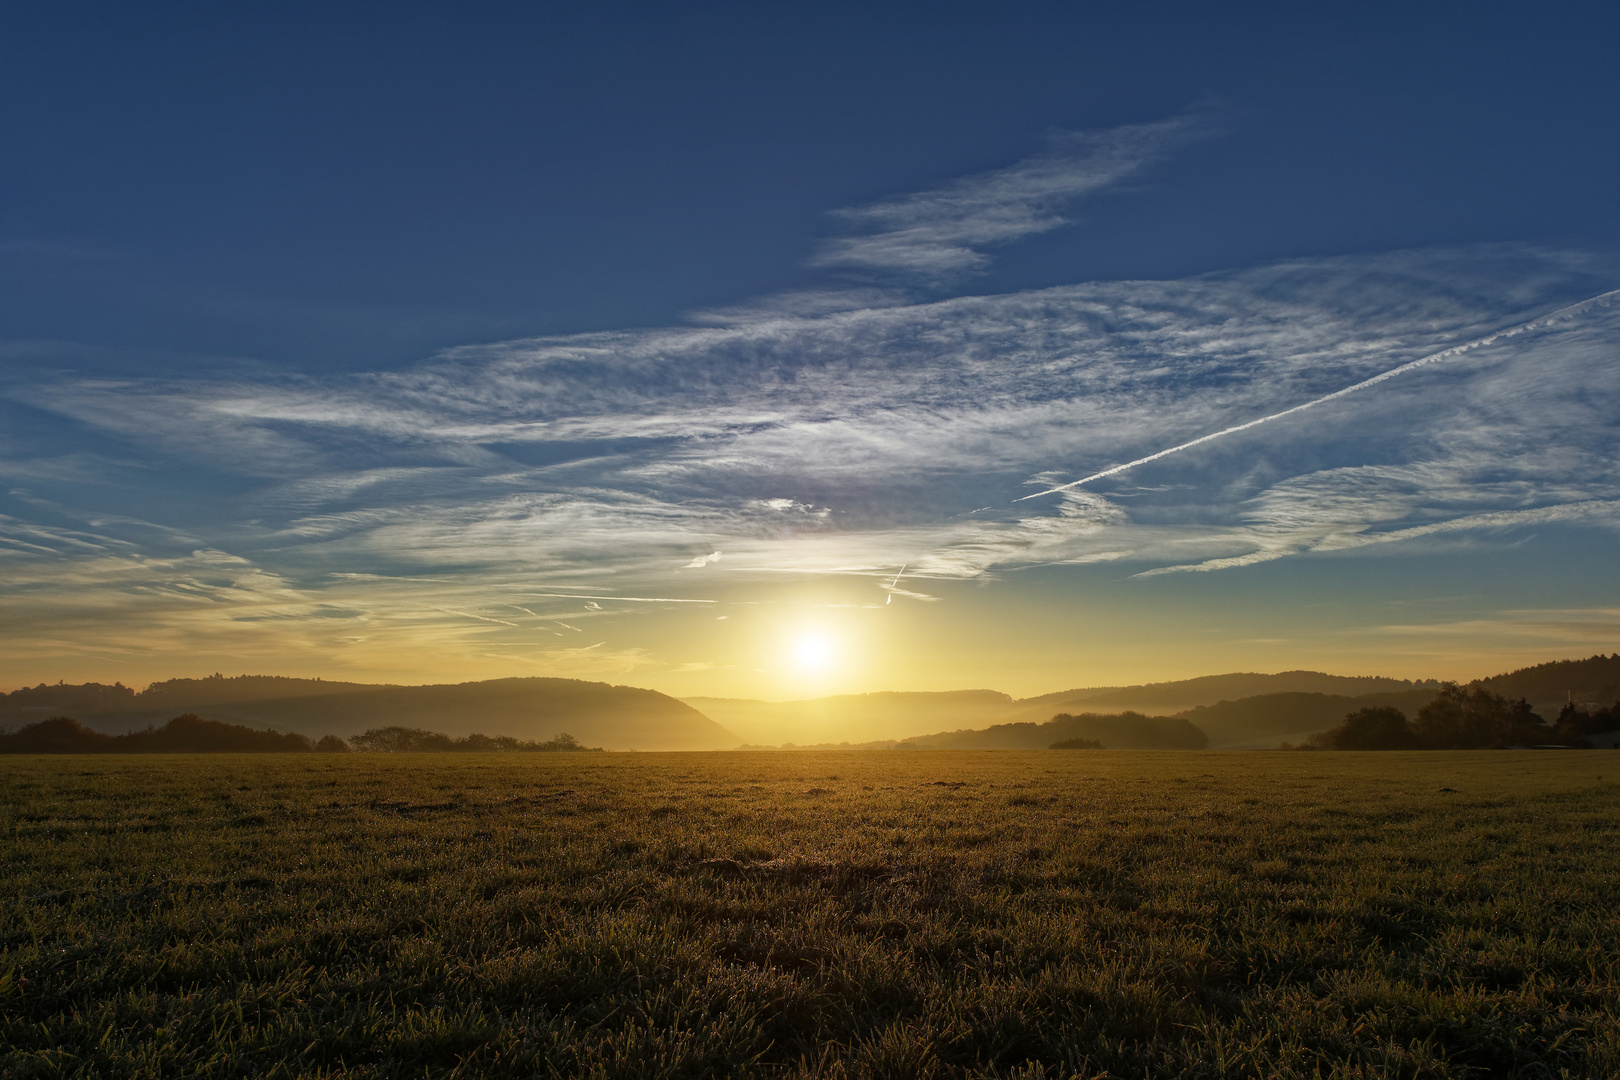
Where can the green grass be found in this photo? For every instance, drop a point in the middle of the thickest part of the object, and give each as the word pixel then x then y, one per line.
pixel 880 914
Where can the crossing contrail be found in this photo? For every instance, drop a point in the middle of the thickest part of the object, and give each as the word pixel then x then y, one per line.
pixel 1455 350
pixel 895 582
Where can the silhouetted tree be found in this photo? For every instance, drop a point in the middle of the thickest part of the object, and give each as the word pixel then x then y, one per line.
pixel 399 740
pixel 1468 718
pixel 187 734
pixel 416 740
pixel 1574 724
pixel 332 744
pixel 58 735
pixel 1378 727
pixel 476 743
pixel 191 734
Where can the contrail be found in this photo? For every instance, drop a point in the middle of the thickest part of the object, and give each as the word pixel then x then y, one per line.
pixel 482 618
pixel 896 581
pixel 642 599
pixel 1455 350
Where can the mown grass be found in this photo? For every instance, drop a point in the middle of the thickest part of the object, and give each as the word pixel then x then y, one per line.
pixel 875 915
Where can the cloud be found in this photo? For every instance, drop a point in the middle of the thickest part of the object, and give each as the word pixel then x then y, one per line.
pixel 1580 627
pixel 1362 533
pixel 216 608
pixel 852 442
pixel 477 500
pixel 1563 314
pixel 943 232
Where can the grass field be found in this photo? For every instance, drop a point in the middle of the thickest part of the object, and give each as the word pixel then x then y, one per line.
pixel 882 914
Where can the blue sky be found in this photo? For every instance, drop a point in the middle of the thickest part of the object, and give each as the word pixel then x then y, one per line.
pixel 430 342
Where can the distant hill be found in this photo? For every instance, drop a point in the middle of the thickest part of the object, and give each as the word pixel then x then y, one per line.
pixel 84 699
pixel 1592 682
pixel 219 690
pixel 1259 722
pixel 182 735
pixel 855 718
pixel 1265 720
pixel 167 698
pixel 1124 731
pixel 1234 710
pixel 1184 694
pixel 615 717
pixel 865 718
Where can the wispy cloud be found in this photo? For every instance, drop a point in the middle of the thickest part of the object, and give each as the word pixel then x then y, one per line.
pixel 946 231
pixel 859 440
pixel 1563 314
pixel 1581 627
pixel 486 495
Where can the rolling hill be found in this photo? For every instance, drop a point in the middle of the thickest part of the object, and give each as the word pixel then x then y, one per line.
pixel 1122 731
pixel 598 714
pixel 1265 720
pixel 1593 682
pixel 1233 711
pixel 864 718
pixel 855 718
pixel 1177 697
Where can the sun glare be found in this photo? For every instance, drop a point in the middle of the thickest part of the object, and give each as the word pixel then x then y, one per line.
pixel 812 653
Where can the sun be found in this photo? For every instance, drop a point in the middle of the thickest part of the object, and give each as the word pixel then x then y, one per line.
pixel 813 653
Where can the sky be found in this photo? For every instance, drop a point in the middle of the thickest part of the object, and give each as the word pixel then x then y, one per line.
pixel 783 350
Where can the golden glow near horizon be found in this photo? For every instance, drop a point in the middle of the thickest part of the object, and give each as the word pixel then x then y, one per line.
pixel 1027 635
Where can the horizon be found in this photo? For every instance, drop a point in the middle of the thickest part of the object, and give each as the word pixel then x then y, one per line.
pixel 143 687
pixel 738 354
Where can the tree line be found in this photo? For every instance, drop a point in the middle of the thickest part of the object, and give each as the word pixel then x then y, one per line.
pixel 191 734
pixel 1465 718
pixel 396 740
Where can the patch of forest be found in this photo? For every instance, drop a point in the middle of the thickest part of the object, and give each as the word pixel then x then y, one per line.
pixel 1466 718
pixel 191 734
